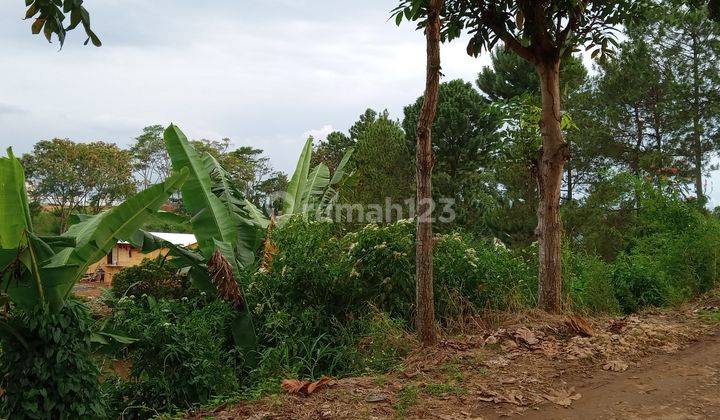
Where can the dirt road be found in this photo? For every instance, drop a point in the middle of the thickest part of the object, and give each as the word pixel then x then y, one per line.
pixel 685 385
pixel 662 364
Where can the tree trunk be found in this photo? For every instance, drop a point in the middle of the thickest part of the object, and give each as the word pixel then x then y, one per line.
pixel 424 298
pixel 697 129
pixel 554 155
pixel 570 185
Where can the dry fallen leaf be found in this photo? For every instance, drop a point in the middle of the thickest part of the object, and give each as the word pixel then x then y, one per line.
pixel 579 326
pixel 295 386
pixel 563 397
pixel 496 362
pixel 526 336
pixel 373 398
pixel 616 366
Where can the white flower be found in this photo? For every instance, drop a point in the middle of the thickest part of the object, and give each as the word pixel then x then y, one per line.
pixel 202 293
pixel 167 324
pixel 184 299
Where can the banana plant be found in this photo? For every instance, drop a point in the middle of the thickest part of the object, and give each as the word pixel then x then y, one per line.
pixel 229 229
pixel 313 190
pixel 41 271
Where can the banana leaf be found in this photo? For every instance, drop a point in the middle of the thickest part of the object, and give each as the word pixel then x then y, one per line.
pixel 296 186
pixel 249 223
pixel 191 261
pixel 315 187
pixel 96 236
pixel 242 326
pixel 14 210
pixel 211 219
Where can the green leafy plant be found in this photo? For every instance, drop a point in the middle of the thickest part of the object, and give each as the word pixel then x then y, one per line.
pixel 37 275
pixel 51 372
pixel 154 277
pixel 183 356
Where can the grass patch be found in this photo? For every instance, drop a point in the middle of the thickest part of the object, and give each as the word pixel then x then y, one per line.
pixel 406 398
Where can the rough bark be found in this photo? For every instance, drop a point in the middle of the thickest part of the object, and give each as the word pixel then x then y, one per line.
pixel 697 151
pixel 554 155
pixel 425 303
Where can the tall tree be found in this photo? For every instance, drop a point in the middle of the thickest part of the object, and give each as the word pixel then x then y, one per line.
pixel 151 162
pixel 49 16
pixel 510 78
pixel 542 32
pixel 634 108
pixel 383 163
pixel 692 44
pixel 465 143
pixel 425 304
pixel 69 177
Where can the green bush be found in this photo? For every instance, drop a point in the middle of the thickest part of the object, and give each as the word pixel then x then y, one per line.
pixel 328 292
pixel 318 266
pixel 184 355
pixel 152 277
pixel 672 255
pixel 52 375
pixel 588 282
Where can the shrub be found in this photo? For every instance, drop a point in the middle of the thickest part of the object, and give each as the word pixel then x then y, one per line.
pixel 672 255
pixel 53 375
pixel 152 277
pixel 588 283
pixel 184 354
pixel 375 266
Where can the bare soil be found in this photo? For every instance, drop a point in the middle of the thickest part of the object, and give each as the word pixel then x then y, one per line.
pixel 662 364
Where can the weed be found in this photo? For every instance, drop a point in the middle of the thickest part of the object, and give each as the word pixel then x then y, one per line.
pixel 406 398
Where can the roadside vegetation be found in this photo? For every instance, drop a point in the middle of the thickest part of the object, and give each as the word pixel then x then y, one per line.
pixel 592 208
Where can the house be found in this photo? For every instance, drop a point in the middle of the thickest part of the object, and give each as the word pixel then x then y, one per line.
pixel 125 255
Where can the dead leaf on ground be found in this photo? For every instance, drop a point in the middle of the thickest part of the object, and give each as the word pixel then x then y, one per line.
pixel 496 362
pixel 616 366
pixel 563 397
pixel 527 336
pixel 373 398
pixel 296 386
pixel 579 326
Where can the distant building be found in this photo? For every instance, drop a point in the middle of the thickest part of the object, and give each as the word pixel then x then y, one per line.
pixel 125 255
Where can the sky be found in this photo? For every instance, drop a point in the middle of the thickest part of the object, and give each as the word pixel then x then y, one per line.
pixel 262 73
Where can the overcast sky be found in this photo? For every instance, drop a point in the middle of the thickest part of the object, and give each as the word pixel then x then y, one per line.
pixel 263 73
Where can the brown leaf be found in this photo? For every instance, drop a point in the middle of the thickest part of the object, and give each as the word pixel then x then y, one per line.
pixel 579 326
pixel 296 386
pixel 293 386
pixel 563 397
pixel 616 366
pixel 319 384
pixel 221 275
pixel 527 336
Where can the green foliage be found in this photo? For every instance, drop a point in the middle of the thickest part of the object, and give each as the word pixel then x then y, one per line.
pixel 152 277
pixel 51 375
pixel 185 353
pixel 590 23
pixel 41 271
pixel 510 76
pixel 49 16
pixel 71 176
pixel 382 161
pixel 46 223
pixel 321 266
pixel 673 255
pixel 589 283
